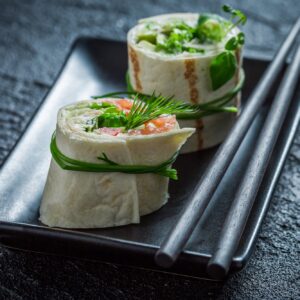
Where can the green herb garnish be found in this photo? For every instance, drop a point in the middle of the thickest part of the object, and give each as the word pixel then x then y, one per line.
pixel 144 109
pixel 237 17
pixel 224 66
pixel 151 108
pixel 67 163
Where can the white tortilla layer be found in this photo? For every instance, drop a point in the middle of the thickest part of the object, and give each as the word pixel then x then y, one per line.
pixel 186 77
pixel 74 199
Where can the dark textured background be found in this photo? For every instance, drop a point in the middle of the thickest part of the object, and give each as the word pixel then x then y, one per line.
pixel 35 37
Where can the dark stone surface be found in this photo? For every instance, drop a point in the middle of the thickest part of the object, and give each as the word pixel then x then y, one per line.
pixel 35 37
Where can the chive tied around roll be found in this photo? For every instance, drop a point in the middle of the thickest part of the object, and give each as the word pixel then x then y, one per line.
pixel 111 161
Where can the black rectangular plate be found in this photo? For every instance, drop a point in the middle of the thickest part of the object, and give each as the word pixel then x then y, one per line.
pixel 97 66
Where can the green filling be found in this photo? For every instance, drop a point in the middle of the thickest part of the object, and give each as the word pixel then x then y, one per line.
pixel 109 117
pixel 112 120
pixel 211 28
pixel 177 37
pixel 101 105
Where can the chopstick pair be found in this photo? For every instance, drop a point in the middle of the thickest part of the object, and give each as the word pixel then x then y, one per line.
pixel 236 219
pixel 233 228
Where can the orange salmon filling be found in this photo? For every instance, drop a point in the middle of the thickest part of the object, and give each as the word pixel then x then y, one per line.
pixel 159 125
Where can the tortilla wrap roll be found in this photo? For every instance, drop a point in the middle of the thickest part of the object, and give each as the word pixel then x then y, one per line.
pixel 185 75
pixel 79 199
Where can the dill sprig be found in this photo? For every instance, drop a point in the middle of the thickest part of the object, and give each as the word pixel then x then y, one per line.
pixel 144 109
pixel 151 108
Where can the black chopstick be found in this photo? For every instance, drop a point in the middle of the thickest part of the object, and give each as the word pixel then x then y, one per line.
pixel 236 219
pixel 179 235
